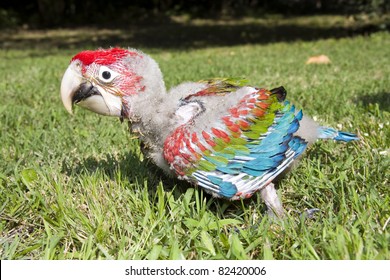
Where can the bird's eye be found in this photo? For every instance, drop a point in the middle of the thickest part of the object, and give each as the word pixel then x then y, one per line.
pixel 106 75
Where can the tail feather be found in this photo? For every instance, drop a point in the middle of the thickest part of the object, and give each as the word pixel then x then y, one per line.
pixel 331 133
pixel 346 136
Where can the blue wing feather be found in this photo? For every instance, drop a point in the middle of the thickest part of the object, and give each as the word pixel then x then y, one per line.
pixel 247 172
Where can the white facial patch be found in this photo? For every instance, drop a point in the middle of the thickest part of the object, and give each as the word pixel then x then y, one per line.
pixel 112 102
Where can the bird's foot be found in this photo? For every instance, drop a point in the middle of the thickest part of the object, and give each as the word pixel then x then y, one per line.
pixel 271 199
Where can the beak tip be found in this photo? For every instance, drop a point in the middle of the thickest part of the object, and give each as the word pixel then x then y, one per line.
pixel 68 105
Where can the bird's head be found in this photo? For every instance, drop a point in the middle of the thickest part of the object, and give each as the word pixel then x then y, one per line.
pixel 104 80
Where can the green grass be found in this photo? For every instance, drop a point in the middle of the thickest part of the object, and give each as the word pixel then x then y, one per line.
pixel 77 187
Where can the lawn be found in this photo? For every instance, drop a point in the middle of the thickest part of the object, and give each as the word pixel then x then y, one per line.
pixel 78 187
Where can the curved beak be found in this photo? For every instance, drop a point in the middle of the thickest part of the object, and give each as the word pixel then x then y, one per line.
pixel 69 85
pixel 75 89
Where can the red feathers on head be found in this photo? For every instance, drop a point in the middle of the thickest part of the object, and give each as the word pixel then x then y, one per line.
pixel 102 57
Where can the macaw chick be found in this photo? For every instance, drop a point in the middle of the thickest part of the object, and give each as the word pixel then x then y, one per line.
pixel 223 135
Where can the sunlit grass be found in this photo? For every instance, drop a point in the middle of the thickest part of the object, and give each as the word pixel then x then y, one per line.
pixel 77 187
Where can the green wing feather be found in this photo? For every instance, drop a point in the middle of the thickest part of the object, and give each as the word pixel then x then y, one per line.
pixel 224 85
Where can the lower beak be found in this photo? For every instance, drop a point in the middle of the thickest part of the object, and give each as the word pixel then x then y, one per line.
pixel 89 97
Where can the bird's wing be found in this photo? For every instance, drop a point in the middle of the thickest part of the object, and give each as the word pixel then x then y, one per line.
pixel 244 150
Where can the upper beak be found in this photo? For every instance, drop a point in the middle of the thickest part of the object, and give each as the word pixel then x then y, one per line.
pixel 76 89
pixel 70 83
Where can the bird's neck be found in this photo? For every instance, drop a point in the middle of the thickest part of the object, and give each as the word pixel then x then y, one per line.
pixel 151 110
pixel 141 106
pixel 148 113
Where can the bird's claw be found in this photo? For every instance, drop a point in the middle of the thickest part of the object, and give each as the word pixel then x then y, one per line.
pixel 309 213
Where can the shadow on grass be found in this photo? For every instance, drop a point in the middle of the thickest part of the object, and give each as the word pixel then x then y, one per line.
pixel 125 167
pixel 182 35
pixel 382 99
pixel 128 167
